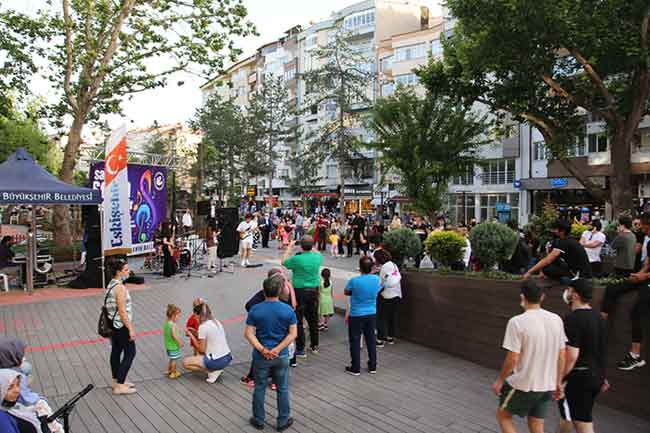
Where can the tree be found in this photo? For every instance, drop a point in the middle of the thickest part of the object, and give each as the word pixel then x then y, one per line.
pixel 340 85
pixel 270 114
pixel 103 51
pixel 225 147
pixel 548 63
pixel 17 34
pixel 427 141
pixel 19 130
pixel 304 167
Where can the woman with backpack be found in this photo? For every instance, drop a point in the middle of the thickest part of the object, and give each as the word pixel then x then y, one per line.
pixel 120 310
pixel 389 298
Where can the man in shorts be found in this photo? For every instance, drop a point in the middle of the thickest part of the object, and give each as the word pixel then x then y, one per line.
pixel 246 231
pixel 535 342
pixel 584 370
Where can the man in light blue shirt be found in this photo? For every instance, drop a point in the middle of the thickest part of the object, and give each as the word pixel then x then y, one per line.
pixel 361 316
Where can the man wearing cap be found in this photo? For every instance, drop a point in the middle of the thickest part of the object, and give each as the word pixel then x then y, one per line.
pixel 305 268
pixel 584 368
pixel 536 346
pixel 567 258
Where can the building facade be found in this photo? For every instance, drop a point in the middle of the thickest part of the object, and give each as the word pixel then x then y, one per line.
pixel 371 22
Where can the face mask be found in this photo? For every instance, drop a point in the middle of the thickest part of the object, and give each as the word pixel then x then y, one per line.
pixel 8 404
pixel 124 278
pixel 565 297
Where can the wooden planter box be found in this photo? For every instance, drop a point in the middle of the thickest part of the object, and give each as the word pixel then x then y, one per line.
pixel 467 318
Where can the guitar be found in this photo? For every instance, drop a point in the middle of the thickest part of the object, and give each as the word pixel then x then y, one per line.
pixel 244 234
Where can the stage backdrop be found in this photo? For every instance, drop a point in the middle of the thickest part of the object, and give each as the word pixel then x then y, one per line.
pixel 148 201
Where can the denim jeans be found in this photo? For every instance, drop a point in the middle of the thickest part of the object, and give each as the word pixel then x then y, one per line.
pixel 363 325
pixel 278 369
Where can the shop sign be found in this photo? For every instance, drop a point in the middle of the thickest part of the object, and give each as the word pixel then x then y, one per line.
pixel 251 191
pixel 560 182
pixel 517 184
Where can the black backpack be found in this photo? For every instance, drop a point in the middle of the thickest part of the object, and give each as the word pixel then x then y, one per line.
pixel 105 326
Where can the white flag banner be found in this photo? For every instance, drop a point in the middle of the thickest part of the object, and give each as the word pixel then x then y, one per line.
pixel 116 238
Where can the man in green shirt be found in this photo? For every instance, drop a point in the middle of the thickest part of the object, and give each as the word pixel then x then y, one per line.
pixel 305 267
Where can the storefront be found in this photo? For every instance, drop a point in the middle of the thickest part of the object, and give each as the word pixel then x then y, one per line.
pixel 358 199
pixel 567 195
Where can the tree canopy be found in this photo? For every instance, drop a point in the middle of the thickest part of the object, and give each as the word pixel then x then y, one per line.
pixel 427 141
pixel 549 63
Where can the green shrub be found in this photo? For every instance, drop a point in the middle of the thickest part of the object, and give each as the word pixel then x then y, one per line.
pixel 577 229
pixel 493 243
pixel 446 247
pixel 402 243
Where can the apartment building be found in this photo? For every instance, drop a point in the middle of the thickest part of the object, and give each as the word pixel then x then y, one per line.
pixel 370 22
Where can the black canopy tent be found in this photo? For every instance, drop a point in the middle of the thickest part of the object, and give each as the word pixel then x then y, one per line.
pixel 24 182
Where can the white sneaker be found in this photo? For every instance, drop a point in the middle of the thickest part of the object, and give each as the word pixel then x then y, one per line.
pixel 213 376
pixel 243 264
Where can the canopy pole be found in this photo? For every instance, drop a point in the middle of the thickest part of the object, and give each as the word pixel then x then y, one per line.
pixel 31 251
pixel 101 244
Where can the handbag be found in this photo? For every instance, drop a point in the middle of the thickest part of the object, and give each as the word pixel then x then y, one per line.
pixel 105 326
pixel 394 278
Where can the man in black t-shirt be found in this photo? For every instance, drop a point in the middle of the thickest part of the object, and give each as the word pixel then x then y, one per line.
pixel 567 259
pixel 637 282
pixel 584 368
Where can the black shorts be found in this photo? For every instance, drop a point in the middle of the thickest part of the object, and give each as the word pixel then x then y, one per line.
pixel 580 393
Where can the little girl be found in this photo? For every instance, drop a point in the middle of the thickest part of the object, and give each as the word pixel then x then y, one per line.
pixel 173 343
pixel 282 235
pixel 326 302
pixel 334 244
pixel 192 325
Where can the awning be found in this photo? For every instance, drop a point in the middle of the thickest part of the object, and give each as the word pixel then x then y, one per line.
pixel 23 181
pixel 553 183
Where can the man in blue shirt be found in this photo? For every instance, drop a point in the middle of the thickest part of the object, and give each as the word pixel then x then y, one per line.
pixel 270 329
pixel 361 316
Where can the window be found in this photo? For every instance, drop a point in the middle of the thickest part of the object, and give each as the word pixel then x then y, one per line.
pixel 407 79
pixel 581 148
pixel 461 207
pixel 644 143
pixel 539 151
pixel 489 204
pixel 311 42
pixel 499 172
pixel 313 109
pixel 465 179
pixel 331 171
pixel 436 48
pixel 361 19
pixel 597 142
pixel 284 173
pixel 387 89
pixel 261 183
pixel 410 52
pixel 290 74
pixel 386 63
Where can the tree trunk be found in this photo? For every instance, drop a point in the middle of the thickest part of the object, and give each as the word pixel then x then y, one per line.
pixel 342 188
pixel 620 180
pixel 62 232
pixel 200 177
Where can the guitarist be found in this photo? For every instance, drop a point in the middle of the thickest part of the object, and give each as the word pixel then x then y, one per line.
pixel 246 230
pixel 168 244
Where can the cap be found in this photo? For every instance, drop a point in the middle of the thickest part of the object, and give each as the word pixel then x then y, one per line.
pixel 583 288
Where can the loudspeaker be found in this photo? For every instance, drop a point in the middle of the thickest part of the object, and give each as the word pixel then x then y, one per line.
pixel 227 221
pixel 92 275
pixel 203 207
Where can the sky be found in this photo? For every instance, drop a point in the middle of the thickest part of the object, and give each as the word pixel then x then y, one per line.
pixel 175 103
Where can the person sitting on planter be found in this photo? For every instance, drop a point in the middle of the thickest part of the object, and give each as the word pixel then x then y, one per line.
pixel 566 260
pixel 637 282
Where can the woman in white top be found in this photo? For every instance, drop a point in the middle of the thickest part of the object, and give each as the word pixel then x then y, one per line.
pixel 120 310
pixel 389 298
pixel 211 345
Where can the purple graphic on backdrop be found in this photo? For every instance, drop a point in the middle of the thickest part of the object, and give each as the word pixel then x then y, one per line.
pixel 147 197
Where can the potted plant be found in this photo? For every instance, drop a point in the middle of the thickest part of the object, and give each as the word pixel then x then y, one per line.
pixel 446 247
pixel 493 243
pixel 402 243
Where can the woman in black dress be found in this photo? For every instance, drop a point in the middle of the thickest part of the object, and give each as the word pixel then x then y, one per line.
pixel 169 264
